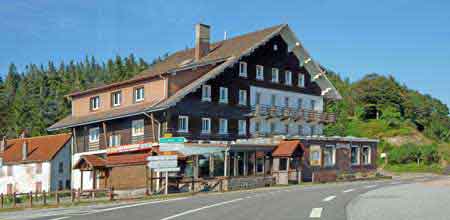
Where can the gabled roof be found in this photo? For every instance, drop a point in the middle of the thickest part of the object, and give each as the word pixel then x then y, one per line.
pixel 286 148
pixel 223 53
pixel 40 149
pixel 183 59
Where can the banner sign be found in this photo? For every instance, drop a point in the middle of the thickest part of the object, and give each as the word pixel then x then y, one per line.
pixel 128 148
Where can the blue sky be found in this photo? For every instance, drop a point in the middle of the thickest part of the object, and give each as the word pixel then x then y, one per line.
pixel 408 39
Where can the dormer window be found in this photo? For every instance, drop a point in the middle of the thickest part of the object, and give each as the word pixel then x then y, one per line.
pixel 274 75
pixel 301 80
pixel 223 95
pixel 242 69
pixel 259 72
pixel 95 103
pixel 206 93
pixel 139 94
pixel 288 77
pixel 116 98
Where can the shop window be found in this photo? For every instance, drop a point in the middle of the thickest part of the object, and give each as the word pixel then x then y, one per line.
pixel 219 159
pixel 366 155
pixel 329 155
pixel 355 155
pixel 259 164
pixel 203 165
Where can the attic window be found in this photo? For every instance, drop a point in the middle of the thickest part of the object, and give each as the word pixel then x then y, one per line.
pixel 275 47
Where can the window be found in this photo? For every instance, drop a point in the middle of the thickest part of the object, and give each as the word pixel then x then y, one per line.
pixel 114 140
pixel 95 103
pixel 274 75
pixel 288 77
pixel 60 185
pixel 206 125
pixel 273 100
pixel 312 130
pixel 9 189
pixel 301 80
pixel 315 155
pixel 137 127
pixel 283 164
pixel 242 97
pixel 9 170
pixel 366 155
pixel 38 187
pixel 139 94
pixel 38 168
pixel 286 101
pixel 299 103
pixel 68 184
pixel 329 156
pixel 355 155
pixel 272 127
pixel 257 126
pixel 223 95
pixel 258 98
pixel 286 128
pixel 94 135
pixel 206 93
pixel 313 105
pixel 223 126
pixel 259 72
pixel 243 69
pixel 259 164
pixel 275 47
pixel 116 98
pixel 183 124
pixel 242 127
pixel 300 130
pixel 61 167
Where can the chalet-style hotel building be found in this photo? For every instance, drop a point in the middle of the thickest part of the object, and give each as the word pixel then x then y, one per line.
pixel 251 108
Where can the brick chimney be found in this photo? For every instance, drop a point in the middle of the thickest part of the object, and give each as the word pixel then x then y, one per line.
pixel 201 40
pixel 24 150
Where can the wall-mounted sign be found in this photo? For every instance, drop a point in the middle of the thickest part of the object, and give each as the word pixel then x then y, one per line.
pixel 128 148
pixel 172 140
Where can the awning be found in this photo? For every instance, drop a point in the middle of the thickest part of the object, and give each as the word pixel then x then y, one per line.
pixel 193 149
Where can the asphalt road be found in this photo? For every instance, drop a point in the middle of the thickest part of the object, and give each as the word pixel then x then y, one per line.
pixel 326 201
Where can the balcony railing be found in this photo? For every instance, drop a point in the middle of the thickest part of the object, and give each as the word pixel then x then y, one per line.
pixel 294 114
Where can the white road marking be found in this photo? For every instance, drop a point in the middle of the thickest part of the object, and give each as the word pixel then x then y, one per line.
pixel 316 213
pixel 348 190
pixel 394 183
pixel 201 208
pixel 370 186
pixel 60 218
pixel 329 198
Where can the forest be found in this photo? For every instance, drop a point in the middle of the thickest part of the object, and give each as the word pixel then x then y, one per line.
pixel 376 106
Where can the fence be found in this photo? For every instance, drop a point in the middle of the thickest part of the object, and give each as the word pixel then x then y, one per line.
pixel 32 199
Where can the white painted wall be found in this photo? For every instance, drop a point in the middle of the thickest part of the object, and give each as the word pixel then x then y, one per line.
pixel 24 177
pixel 265 99
pixel 87 175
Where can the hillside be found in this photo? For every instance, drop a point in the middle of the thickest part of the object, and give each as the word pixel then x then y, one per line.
pixel 412 127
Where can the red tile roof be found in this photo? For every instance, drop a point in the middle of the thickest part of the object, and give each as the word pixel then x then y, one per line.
pixel 127 159
pixel 286 148
pixel 40 149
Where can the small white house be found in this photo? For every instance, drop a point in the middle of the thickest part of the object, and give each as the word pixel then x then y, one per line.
pixel 35 164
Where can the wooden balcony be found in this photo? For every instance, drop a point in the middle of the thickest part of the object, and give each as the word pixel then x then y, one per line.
pixel 288 113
